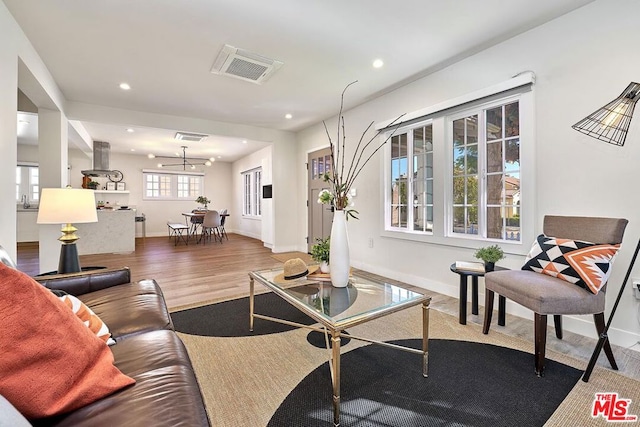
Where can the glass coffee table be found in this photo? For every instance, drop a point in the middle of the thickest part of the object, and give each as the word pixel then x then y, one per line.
pixel 337 309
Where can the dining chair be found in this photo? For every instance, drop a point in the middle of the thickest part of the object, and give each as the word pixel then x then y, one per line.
pixel 223 219
pixel 547 289
pixel 196 221
pixel 179 231
pixel 211 226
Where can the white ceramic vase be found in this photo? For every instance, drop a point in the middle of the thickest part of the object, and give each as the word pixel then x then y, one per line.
pixel 324 267
pixel 339 250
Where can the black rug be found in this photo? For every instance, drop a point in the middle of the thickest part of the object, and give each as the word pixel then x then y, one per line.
pixel 469 384
pixel 317 339
pixel 231 318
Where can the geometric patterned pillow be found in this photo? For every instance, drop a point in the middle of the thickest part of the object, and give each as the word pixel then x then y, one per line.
pixel 88 317
pixel 585 264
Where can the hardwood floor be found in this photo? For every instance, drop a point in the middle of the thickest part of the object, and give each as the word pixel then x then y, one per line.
pixel 194 274
pixel 189 274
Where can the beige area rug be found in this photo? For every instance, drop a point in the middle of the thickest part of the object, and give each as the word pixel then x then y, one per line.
pixel 285 256
pixel 245 379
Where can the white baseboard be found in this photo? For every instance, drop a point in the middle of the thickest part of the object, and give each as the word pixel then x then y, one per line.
pixel 582 325
pixel 251 235
pixel 280 249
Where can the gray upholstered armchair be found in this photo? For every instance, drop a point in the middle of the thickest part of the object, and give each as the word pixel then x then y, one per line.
pixel 546 295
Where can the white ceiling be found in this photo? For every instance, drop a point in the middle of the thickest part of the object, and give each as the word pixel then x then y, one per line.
pixel 165 49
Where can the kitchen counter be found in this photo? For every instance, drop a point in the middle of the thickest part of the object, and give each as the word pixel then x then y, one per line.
pixel 114 232
pixel 27 229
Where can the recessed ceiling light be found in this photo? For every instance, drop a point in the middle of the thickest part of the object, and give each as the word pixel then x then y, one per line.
pixel 244 141
pixel 378 63
pixel 125 86
pixel 288 116
pixel 133 149
pixel 151 156
pixel 212 159
pixel 130 130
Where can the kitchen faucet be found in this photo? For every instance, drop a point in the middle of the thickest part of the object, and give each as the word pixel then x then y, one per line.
pixel 25 202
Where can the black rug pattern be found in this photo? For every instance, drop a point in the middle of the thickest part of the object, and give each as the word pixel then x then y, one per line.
pixel 469 384
pixel 231 318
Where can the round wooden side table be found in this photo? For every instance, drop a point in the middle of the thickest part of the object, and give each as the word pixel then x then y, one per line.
pixel 464 275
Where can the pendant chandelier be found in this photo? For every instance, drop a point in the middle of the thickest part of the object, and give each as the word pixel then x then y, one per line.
pixel 191 162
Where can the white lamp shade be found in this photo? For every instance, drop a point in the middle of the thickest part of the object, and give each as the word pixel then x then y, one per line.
pixel 66 206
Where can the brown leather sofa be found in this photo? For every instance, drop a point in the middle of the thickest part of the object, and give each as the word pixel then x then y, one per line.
pixel 166 392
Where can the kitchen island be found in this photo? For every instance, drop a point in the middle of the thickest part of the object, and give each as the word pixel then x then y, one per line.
pixel 114 232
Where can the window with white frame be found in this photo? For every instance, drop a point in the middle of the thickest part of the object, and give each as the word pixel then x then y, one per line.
pixel 457 172
pixel 486 173
pixel 411 204
pixel 172 185
pixel 189 186
pixel 252 200
pixel 27 183
pixel 256 191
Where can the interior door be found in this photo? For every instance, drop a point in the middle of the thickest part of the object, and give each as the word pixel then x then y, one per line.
pixel 319 215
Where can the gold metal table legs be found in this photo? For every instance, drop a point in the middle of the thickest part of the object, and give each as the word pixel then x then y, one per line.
pixel 335 375
pixel 251 290
pixel 337 333
pixel 425 339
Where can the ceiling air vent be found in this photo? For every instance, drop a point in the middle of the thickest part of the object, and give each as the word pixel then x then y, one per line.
pixel 191 137
pixel 245 65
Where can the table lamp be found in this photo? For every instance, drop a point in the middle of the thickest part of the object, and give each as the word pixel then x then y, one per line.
pixel 65 206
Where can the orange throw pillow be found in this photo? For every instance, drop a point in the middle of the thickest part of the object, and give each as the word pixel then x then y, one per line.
pixel 50 363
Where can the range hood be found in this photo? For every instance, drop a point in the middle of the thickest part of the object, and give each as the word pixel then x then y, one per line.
pixel 101 152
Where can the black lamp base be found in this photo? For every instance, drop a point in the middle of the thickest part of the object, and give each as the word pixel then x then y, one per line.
pixel 69 260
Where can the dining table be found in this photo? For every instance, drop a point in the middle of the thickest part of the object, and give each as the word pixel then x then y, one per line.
pixel 194 220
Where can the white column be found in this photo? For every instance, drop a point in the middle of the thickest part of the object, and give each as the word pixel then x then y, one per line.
pixel 286 223
pixel 53 143
pixel 267 204
pixel 8 139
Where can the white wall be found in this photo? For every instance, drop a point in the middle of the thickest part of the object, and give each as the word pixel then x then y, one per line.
pixel 251 226
pixel 581 61
pixel 21 63
pixel 8 109
pixel 279 226
pixel 281 161
pixel 217 188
